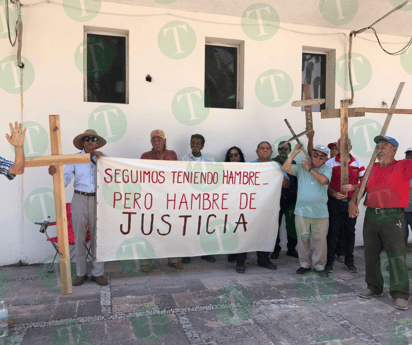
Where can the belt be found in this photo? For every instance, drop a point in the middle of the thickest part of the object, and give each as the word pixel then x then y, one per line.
pixel 84 193
pixel 385 210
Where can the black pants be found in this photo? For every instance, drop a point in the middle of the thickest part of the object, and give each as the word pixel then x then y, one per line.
pixel 287 208
pixel 339 218
pixel 262 258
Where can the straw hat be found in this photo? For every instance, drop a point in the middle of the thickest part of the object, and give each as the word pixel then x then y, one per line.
pixel 78 140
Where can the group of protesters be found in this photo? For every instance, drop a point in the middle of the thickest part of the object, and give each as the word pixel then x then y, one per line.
pixel 320 213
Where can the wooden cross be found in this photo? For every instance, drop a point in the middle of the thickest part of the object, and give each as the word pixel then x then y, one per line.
pixel 308 103
pixel 59 195
pixel 296 137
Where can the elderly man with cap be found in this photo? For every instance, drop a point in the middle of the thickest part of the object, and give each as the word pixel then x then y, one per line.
pixel 338 210
pixel 311 211
pixel 333 147
pixel 408 210
pixel 83 204
pixel 16 138
pixel 159 152
pixel 387 195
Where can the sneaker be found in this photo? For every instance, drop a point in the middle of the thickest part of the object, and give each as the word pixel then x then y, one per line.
pixel 329 267
pixel 231 258
pixel 268 265
pixel 240 268
pixel 368 293
pixel 185 260
pixel 340 258
pixel 351 268
pixel 79 280
pixel 323 273
pixel 292 253
pixel 303 270
pixel 102 281
pixel 208 258
pixel 402 304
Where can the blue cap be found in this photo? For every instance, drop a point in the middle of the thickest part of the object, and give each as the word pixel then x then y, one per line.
pixel 390 139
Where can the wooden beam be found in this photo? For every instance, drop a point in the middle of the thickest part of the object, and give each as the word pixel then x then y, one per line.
pixel 375 152
pixel 335 113
pixel 57 160
pixel 60 205
pixel 308 109
pixel 383 111
pixel 308 102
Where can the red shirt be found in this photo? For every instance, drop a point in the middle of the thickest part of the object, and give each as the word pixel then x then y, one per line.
pixel 389 187
pixel 168 155
pixel 356 171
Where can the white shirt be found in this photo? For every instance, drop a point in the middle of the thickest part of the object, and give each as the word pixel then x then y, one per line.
pixel 190 157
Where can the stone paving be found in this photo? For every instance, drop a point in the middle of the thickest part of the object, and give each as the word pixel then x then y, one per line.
pixel 205 303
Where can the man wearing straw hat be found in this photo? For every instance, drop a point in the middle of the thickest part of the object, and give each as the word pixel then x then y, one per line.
pixel 84 202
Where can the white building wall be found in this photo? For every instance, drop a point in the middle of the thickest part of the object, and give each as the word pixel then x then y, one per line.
pixel 51 38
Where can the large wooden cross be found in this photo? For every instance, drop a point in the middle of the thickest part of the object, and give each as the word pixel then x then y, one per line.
pixel 343 113
pixel 59 160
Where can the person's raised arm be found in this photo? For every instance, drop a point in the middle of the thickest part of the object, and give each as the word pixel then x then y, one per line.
pixel 17 140
pixel 287 166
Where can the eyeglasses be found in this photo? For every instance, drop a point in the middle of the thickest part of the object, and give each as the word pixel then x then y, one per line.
pixel 283 149
pixel 319 156
pixel 233 155
pixel 94 139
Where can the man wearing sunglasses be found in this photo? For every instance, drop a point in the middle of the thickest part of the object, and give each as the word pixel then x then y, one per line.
pixel 16 138
pixel 83 204
pixel 311 211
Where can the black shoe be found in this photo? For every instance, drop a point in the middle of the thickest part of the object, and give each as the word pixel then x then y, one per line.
pixel 231 258
pixel 240 268
pixel 208 258
pixel 351 268
pixel 303 270
pixel 274 255
pixel 268 265
pixel 293 253
pixel 329 267
pixel 323 273
pixel 185 260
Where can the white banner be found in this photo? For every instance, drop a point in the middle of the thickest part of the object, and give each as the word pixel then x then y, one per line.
pixel 160 209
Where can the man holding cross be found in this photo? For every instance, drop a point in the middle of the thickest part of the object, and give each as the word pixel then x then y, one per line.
pixel 83 204
pixel 387 194
pixel 8 168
